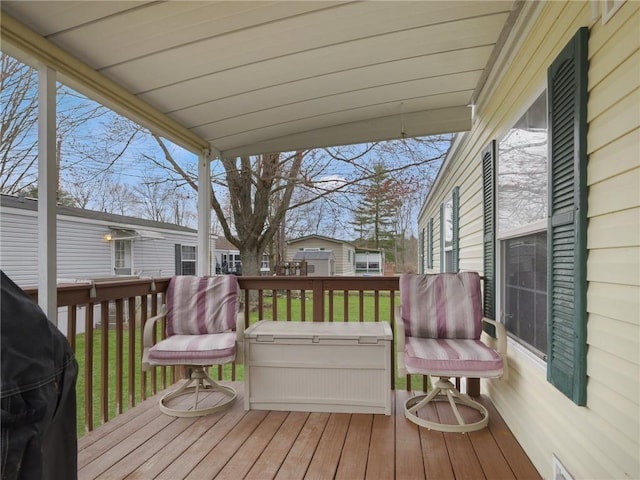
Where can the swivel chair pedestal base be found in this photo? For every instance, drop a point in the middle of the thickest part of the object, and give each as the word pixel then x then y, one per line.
pixel 199 382
pixel 444 390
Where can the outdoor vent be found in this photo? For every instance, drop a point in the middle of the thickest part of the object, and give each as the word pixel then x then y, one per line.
pixel 559 472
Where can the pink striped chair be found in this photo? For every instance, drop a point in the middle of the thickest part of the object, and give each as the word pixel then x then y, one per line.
pixel 438 329
pixel 201 315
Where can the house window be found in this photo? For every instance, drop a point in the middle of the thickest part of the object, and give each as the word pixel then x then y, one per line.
pixel 535 157
pixel 525 289
pixel 522 236
pixel 122 257
pixel 522 170
pixel 185 259
pixel 609 8
pixel 231 263
pixel 430 244
pixel 449 235
pixel 264 265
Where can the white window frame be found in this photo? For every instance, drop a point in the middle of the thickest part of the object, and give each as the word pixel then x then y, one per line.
pixel 529 229
pixel 609 9
pixel 445 230
pixel 189 260
pixel 114 254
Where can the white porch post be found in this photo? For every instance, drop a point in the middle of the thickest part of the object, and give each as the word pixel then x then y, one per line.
pixel 47 182
pixel 204 214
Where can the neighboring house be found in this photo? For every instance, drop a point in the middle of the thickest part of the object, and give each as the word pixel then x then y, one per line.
pixel 542 197
pixel 93 244
pixel 228 258
pixel 319 262
pixel 344 252
pixel 369 261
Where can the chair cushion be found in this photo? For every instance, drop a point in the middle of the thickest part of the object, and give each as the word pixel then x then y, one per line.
pixel 446 305
pixel 208 349
pixel 451 358
pixel 198 305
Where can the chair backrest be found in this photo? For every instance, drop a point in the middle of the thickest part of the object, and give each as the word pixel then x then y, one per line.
pixel 444 305
pixel 200 305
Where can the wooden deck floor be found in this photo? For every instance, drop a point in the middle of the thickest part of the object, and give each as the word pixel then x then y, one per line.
pixel 143 443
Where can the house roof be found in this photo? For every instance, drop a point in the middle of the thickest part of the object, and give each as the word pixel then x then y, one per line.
pixel 223 244
pixel 277 76
pixel 318 237
pixel 31 204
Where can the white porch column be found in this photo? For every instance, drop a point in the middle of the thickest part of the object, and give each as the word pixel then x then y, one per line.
pixel 47 195
pixel 204 214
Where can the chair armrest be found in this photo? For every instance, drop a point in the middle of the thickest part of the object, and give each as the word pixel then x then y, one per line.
pixel 501 344
pixel 240 338
pixel 399 333
pixel 501 335
pixel 147 337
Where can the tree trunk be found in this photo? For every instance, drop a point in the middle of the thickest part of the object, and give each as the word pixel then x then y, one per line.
pixel 251 260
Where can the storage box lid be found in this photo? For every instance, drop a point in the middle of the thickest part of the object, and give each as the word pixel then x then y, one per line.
pixel 369 332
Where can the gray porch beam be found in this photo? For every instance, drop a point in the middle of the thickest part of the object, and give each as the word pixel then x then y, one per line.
pixel 204 214
pixel 47 195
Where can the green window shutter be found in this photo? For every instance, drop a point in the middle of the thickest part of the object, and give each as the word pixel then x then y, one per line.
pixel 421 255
pixel 456 229
pixel 178 258
pixel 443 234
pixel 430 243
pixel 489 239
pixel 567 252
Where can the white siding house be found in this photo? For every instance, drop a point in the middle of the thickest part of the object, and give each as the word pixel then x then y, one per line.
pixel 94 244
pixel 344 252
pixel 542 196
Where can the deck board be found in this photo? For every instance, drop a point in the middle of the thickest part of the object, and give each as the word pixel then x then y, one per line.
pixel 409 458
pixel 325 460
pixel 270 460
pixel 381 447
pixel 299 457
pixel 353 461
pixel 143 443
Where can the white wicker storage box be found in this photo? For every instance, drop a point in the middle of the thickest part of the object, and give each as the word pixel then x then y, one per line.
pixel 318 367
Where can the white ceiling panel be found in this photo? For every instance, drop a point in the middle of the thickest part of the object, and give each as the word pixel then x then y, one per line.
pixel 337 83
pixel 248 76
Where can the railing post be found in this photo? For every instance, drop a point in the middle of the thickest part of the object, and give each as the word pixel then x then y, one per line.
pixel 119 355
pixel 318 300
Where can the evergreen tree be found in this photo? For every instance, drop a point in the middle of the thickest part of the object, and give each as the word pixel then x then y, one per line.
pixel 374 217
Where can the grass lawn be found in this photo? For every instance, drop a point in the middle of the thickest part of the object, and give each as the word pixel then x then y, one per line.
pixel 353 313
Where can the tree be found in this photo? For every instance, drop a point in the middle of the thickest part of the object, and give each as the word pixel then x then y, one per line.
pixel 375 215
pixel 19 118
pixel 64 198
pixel 251 196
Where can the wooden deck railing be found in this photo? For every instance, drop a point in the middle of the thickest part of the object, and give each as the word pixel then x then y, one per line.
pixel 103 321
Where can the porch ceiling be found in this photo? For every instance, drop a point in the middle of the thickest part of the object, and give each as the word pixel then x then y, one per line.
pixel 268 76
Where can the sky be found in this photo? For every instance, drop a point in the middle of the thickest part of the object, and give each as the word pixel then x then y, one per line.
pixel 88 153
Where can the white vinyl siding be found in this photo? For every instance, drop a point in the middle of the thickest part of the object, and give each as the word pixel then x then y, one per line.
pixel 19 246
pixel 600 440
pixel 83 252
